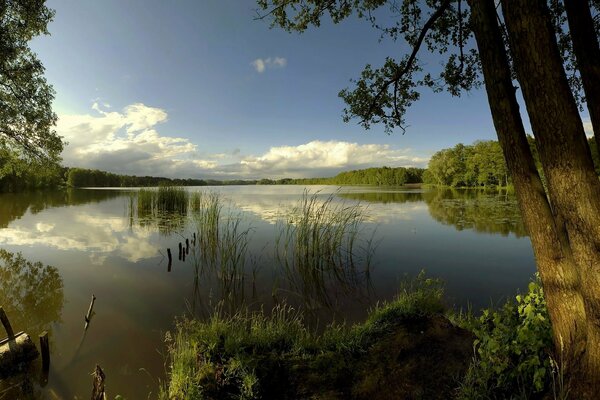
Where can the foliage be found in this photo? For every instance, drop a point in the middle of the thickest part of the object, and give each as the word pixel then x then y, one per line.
pixel 384 176
pixel 26 116
pixel 251 355
pixel 18 173
pixel 80 177
pixel 512 349
pixel 382 95
pixel 480 164
pixel 31 293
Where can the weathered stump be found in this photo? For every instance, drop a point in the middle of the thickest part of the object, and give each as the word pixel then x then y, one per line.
pixel 16 354
pixel 98 390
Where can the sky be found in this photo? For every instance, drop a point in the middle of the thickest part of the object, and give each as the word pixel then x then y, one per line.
pixel 202 89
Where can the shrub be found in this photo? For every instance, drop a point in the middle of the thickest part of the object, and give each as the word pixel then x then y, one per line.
pixel 512 349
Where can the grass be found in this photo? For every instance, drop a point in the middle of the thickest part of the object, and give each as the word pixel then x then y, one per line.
pixel 165 207
pixel 165 199
pixel 320 244
pixel 248 355
pixel 221 251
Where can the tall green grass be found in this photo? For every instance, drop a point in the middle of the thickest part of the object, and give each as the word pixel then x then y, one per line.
pixel 170 199
pixel 221 250
pixel 320 243
pixel 165 207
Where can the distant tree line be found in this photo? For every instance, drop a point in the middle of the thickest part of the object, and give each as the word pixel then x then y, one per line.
pixel 384 176
pixel 479 165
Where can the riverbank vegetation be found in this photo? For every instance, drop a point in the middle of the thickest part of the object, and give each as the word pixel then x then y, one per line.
pixel 481 165
pixel 409 346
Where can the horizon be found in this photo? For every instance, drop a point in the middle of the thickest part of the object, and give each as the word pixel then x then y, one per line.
pixel 207 91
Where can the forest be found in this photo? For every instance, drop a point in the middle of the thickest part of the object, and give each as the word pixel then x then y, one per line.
pixel 480 165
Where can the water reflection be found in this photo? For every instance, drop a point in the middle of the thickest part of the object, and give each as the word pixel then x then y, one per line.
pixel 31 293
pixel 32 296
pixel 479 210
pixel 15 205
pixel 139 296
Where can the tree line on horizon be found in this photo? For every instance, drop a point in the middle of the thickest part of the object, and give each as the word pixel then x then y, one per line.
pixel 480 164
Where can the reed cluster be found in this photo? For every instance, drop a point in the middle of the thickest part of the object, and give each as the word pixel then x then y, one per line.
pixel 320 243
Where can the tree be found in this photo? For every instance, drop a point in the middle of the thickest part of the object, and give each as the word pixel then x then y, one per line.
pixel 26 116
pixel 516 41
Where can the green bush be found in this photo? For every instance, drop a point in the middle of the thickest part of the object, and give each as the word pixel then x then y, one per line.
pixel 512 349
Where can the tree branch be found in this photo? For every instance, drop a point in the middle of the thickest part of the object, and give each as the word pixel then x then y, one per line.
pixel 409 63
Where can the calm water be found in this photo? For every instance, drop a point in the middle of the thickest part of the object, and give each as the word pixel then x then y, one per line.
pixel 473 240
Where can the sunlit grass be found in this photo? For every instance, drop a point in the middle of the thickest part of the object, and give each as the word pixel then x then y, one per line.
pixel 321 242
pixel 251 354
pixel 221 250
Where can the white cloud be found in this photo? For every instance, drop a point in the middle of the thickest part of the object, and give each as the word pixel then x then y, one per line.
pixel 128 142
pixel 327 158
pixel 262 64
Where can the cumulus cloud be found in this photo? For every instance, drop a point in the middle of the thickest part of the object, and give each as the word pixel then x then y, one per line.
pixel 126 142
pixel 129 142
pixel 262 64
pixel 325 158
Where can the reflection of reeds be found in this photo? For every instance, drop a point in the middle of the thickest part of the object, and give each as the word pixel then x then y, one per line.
pixel 222 246
pixel 170 199
pixel 320 244
pixel 207 209
pixel 165 207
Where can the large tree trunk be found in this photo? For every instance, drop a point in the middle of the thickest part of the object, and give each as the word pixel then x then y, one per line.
pixel 554 260
pixel 573 187
pixel 587 53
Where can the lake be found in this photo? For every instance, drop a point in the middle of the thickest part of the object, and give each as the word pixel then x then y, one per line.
pixel 96 241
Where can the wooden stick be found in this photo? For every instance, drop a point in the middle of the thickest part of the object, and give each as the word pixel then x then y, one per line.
pixel 45 347
pixel 194 241
pixel 183 256
pixel 179 251
pixel 88 316
pixel 169 255
pixel 6 323
pixel 99 378
pixel 187 246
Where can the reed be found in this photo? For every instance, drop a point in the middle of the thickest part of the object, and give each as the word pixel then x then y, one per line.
pixel 165 199
pixel 320 243
pixel 221 251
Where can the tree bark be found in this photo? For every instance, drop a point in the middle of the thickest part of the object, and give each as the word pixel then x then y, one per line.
pixel 554 260
pixel 573 187
pixel 587 53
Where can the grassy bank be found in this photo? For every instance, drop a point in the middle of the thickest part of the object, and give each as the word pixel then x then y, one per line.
pixel 252 355
pixel 406 348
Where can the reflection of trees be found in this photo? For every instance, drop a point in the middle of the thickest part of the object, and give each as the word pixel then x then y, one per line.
pixel 31 293
pixel 384 197
pixel 481 210
pixel 15 205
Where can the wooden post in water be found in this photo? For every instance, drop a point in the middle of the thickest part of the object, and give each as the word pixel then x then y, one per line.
pixel 183 256
pixel 170 259
pixel 45 348
pixel 194 241
pixel 99 378
pixel 179 251
pixel 9 330
pixel 88 316
pixel 187 246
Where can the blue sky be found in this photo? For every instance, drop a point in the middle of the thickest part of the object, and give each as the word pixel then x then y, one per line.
pixel 202 89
